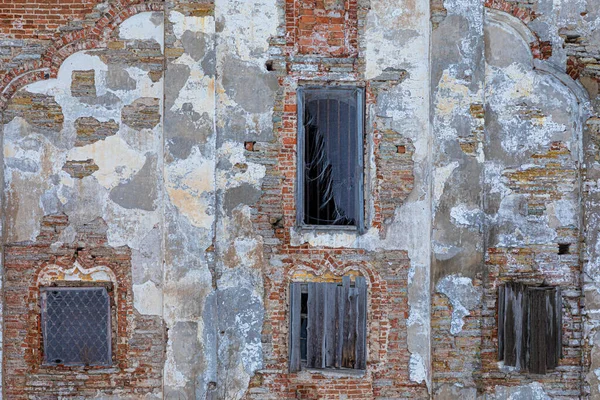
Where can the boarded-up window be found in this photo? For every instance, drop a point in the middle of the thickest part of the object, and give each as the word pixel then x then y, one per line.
pixel 330 156
pixel 529 327
pixel 328 324
pixel 76 326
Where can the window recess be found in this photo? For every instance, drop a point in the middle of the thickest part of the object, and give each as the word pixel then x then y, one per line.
pixel 76 326
pixel 328 325
pixel 529 327
pixel 330 157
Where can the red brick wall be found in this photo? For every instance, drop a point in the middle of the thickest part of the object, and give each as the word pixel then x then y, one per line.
pixel 323 27
pixel 40 19
pixel 138 348
pixel 388 355
pixel 455 358
pixel 518 265
pixel 387 374
pixel 31 60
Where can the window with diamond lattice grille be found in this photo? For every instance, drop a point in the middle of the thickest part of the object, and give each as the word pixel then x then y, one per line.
pixel 76 326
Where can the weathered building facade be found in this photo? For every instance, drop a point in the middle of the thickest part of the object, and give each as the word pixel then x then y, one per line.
pixel 151 151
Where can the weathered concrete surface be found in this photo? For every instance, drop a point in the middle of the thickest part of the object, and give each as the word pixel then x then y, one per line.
pixel 68 151
pixel 476 166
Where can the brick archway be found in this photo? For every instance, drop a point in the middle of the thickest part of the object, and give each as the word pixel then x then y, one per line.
pixel 95 36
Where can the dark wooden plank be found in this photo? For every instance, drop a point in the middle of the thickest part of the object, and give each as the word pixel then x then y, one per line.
pixel 361 323
pixel 551 328
pixel 501 306
pixel 330 324
pixel 509 325
pixel 349 346
pixel 312 345
pixel 341 307
pixel 515 323
pixel 294 333
pixel 537 329
pixel 315 332
pixel 522 331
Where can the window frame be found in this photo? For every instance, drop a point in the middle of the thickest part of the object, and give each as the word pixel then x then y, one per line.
pixel 300 161
pixel 331 325
pixel 73 286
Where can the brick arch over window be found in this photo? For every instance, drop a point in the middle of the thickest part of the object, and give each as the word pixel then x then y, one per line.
pixel 95 36
pixel 81 273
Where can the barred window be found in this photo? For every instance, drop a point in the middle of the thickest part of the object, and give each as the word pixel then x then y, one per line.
pixel 328 323
pixel 76 327
pixel 529 327
pixel 330 156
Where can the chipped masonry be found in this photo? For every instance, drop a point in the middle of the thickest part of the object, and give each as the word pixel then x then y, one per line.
pixel 150 147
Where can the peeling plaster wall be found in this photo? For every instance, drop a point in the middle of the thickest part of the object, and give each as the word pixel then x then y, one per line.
pixel 106 169
pixel 171 147
pixel 457 120
pixel 507 160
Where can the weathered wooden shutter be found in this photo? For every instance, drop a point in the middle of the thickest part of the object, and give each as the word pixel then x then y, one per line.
pixel 529 327
pixel 294 333
pixel 336 329
pixel 513 335
pixel 545 330
pixel 537 328
pixel 331 316
pixel 361 324
pixel 316 326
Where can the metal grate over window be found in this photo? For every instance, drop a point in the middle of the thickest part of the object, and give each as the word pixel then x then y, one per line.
pixel 330 156
pixel 76 326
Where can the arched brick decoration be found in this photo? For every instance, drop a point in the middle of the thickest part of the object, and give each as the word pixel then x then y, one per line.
pixel 540 49
pixel 89 38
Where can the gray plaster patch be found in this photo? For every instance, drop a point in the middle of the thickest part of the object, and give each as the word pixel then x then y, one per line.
pixel 157 18
pixel 146 261
pixel 249 86
pixel 176 76
pixel 240 318
pixel 463 296
pixel 85 202
pixel 533 391
pixel 117 78
pixel 455 392
pixel 195 44
pixel 107 100
pixel 244 194
pixel 140 191
pixel 185 131
pixel 209 62
pixel 22 164
pixel 187 354
pixel 500 55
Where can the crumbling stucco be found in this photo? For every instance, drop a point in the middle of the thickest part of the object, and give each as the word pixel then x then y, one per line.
pixel 174 136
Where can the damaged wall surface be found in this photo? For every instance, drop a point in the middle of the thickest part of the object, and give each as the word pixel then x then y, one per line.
pixel 150 147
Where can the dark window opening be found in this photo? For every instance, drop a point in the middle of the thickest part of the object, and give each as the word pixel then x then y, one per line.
pixel 304 325
pixel 530 327
pixel 564 248
pixel 76 328
pixel 328 325
pixel 330 156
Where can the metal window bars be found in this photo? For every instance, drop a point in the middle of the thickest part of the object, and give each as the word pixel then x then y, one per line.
pixel 76 326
